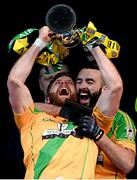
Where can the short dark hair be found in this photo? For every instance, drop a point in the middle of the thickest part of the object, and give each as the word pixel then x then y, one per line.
pixel 90 65
pixel 58 75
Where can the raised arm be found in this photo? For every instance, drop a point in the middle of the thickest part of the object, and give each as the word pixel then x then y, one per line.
pixel 122 157
pixel 19 95
pixel 109 100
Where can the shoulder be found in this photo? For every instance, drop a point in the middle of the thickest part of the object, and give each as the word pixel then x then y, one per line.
pixel 123 128
pixel 123 119
pixel 122 115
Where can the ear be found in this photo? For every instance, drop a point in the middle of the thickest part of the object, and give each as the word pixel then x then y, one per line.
pixel 104 88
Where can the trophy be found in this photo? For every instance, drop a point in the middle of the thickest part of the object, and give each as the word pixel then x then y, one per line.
pixel 61 19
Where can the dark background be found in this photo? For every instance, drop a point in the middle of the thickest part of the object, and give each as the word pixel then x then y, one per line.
pixel 110 18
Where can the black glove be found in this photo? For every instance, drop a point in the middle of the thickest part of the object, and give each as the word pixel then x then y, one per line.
pixel 88 127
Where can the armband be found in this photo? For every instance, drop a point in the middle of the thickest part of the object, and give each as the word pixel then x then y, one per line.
pixel 40 44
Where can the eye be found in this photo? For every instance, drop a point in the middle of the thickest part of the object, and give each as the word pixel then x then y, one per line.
pixel 78 81
pixel 57 82
pixel 90 82
pixel 70 82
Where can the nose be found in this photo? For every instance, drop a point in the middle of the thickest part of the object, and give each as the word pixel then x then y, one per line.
pixel 63 82
pixel 82 85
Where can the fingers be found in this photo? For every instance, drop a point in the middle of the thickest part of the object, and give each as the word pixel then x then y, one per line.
pixel 44 34
pixel 84 119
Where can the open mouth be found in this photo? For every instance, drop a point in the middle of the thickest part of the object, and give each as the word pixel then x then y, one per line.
pixel 84 98
pixel 64 92
pixel 84 95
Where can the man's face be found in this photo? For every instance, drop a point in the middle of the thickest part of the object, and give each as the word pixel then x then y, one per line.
pixel 61 89
pixel 88 86
pixel 45 79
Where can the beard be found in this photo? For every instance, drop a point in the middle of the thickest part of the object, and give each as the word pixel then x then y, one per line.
pixel 59 100
pixel 92 98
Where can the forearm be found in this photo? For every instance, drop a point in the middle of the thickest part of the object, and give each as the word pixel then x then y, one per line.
pixel 109 73
pixel 109 100
pixel 48 108
pixel 23 66
pixel 122 158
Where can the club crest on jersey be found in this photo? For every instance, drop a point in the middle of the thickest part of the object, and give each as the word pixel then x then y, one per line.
pixel 62 131
pixel 130 133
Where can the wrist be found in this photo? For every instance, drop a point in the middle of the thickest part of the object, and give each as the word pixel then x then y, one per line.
pixel 40 43
pixel 93 43
pixel 99 135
